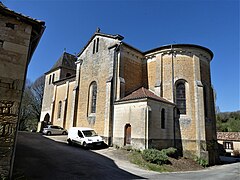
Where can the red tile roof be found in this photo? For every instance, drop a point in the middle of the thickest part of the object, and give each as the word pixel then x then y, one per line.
pixel 228 136
pixel 144 93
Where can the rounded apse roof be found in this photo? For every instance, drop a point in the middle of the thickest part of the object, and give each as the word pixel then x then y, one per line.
pixel 179 46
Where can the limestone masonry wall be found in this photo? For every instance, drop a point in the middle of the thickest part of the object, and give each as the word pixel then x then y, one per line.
pixel 15 37
pixel 98 67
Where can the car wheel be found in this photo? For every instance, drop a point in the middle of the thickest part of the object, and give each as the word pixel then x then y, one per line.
pixel 69 142
pixel 84 144
pixel 64 133
pixel 49 133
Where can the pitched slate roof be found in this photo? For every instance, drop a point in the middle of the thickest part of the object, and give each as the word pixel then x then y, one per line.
pixel 144 93
pixel 234 136
pixel 65 61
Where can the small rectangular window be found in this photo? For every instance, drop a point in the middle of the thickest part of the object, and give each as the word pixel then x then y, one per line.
pixel 94 46
pixel 228 145
pixel 97 44
pixel 1 43
pixel 10 25
pixel 163 118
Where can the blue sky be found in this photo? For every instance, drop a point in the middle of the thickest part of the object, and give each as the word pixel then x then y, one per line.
pixel 145 25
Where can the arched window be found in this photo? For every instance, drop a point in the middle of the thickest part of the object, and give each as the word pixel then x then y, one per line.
pixel 59 109
pixel 181 97
pixel 93 97
pixel 163 118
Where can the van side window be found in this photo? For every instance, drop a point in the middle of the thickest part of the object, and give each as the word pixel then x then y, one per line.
pixel 80 134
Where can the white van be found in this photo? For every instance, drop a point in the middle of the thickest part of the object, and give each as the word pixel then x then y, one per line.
pixel 84 136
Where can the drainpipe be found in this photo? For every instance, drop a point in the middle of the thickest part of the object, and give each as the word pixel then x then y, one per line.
pixel 174 127
pixel 146 128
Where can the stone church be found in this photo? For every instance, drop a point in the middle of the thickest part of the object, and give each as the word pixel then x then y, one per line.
pixel 154 99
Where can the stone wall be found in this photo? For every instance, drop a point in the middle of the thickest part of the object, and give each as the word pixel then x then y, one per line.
pixel 133 113
pixel 69 108
pixel 63 93
pixel 48 94
pixel 131 69
pixel 144 116
pixel 192 66
pixel 161 136
pixel 14 46
pixel 98 67
pixel 48 104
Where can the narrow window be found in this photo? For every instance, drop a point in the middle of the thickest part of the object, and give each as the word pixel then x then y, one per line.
pixel 97 44
pixel 1 43
pixel 181 97
pixel 50 79
pixel 93 97
pixel 163 118
pixel 53 78
pixel 94 46
pixel 59 109
pixel 10 25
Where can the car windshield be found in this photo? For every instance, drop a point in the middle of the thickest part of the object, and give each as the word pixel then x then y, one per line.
pixel 89 133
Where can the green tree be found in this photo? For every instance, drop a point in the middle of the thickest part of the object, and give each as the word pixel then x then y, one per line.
pixel 228 121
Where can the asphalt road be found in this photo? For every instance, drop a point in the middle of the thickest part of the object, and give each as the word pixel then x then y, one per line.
pixel 43 158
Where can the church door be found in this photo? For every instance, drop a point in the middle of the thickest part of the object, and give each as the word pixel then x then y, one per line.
pixel 127 139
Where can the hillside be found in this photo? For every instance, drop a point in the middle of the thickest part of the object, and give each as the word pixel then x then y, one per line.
pixel 228 121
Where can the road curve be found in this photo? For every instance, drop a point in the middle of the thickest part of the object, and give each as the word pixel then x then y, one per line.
pixel 43 158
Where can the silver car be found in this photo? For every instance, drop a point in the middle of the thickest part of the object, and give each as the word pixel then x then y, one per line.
pixel 51 129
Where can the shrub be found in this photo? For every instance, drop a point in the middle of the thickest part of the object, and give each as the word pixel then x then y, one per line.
pixel 203 162
pixel 171 152
pixel 155 156
pixel 236 153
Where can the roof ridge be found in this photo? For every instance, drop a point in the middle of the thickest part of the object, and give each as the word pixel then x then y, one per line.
pixel 116 36
pixel 1 4
pixel 144 91
pixel 63 59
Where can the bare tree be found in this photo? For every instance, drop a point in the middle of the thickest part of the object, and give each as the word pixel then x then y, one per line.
pixel 37 89
pixel 31 104
pixel 26 109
